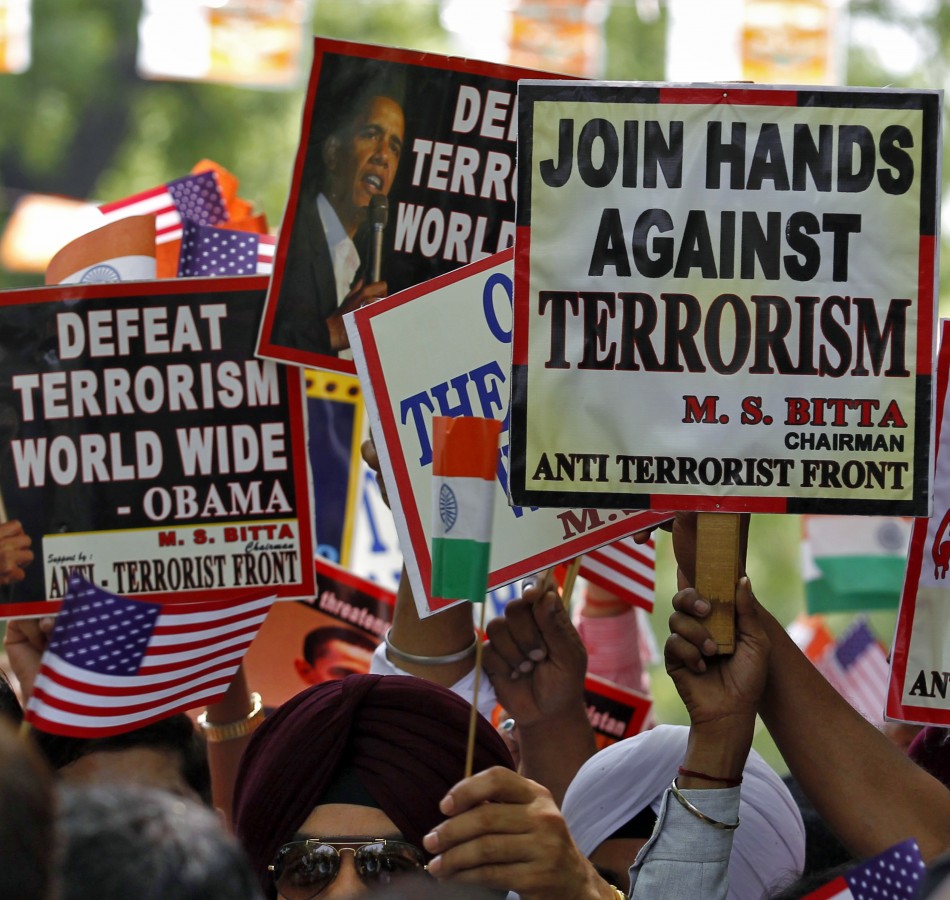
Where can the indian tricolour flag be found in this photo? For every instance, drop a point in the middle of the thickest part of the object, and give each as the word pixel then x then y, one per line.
pixel 853 563
pixel 464 462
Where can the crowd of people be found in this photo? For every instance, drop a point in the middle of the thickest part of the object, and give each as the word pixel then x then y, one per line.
pixel 357 786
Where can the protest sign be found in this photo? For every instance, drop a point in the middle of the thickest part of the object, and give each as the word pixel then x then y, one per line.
pixel 725 297
pixel 145 446
pixel 919 678
pixel 443 348
pixel 405 170
pixel 330 636
pixel 614 712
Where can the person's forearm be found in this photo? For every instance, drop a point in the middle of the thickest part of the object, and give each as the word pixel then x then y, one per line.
pixel 718 753
pixel 869 792
pixel 446 633
pixel 554 748
pixel 224 757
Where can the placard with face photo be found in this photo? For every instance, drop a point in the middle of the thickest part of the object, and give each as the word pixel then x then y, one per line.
pixel 405 171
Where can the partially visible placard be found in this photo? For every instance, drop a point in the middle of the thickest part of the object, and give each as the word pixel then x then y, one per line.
pixel 614 712
pixel 443 348
pixel 405 170
pixel 919 688
pixel 729 293
pixel 145 445
pixel 330 636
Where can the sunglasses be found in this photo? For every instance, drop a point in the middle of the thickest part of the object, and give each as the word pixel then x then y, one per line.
pixel 304 869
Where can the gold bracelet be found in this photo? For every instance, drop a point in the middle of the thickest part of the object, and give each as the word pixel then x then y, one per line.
pixel 230 731
pixel 618 894
pixel 725 826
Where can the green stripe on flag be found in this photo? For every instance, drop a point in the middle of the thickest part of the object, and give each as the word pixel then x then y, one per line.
pixel 459 569
pixel 853 583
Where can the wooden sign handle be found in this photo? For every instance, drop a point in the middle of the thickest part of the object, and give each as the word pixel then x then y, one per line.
pixel 718 549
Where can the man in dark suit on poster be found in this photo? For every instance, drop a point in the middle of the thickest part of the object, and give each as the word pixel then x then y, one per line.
pixel 326 274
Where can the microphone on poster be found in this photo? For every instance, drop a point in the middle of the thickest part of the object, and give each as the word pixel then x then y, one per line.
pixel 378 216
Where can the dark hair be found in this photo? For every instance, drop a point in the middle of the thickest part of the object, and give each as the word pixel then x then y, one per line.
pixel 175 733
pixel 314 643
pixel 347 87
pixel 123 840
pixel 26 820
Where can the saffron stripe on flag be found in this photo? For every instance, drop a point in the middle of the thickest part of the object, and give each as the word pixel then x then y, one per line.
pixel 462 451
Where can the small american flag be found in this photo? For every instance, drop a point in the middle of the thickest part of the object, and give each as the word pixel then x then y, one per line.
pixel 115 663
pixel 626 569
pixel 196 197
pixel 206 250
pixel 861 670
pixel 855 663
pixel 894 875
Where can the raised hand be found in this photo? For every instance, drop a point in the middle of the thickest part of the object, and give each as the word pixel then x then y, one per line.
pixel 505 832
pixel 360 294
pixel 718 691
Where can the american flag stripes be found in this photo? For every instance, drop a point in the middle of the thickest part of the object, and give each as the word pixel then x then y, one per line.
pixel 206 251
pixel 196 197
pixel 860 670
pixel 855 663
pixel 896 874
pixel 115 663
pixel 626 569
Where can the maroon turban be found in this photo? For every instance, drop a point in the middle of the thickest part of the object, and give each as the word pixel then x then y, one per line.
pixel 403 737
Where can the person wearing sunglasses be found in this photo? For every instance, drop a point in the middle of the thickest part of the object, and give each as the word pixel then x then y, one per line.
pixel 338 787
pixel 305 868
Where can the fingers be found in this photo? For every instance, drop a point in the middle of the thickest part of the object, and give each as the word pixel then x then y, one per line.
pixel 373 291
pixel 369 454
pixel 497 784
pixel 516 642
pixel 557 630
pixel 493 817
pixel 12 529
pixel 516 637
pixel 748 621
pixel 689 639
pixel 32 632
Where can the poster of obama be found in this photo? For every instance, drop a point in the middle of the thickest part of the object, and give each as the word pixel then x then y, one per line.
pixel 405 171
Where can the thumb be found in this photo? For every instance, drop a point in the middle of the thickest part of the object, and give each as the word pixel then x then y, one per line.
pixel 554 621
pixel 747 607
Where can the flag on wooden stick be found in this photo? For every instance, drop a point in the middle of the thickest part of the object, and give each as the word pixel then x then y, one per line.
pixel 464 462
pixel 114 663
